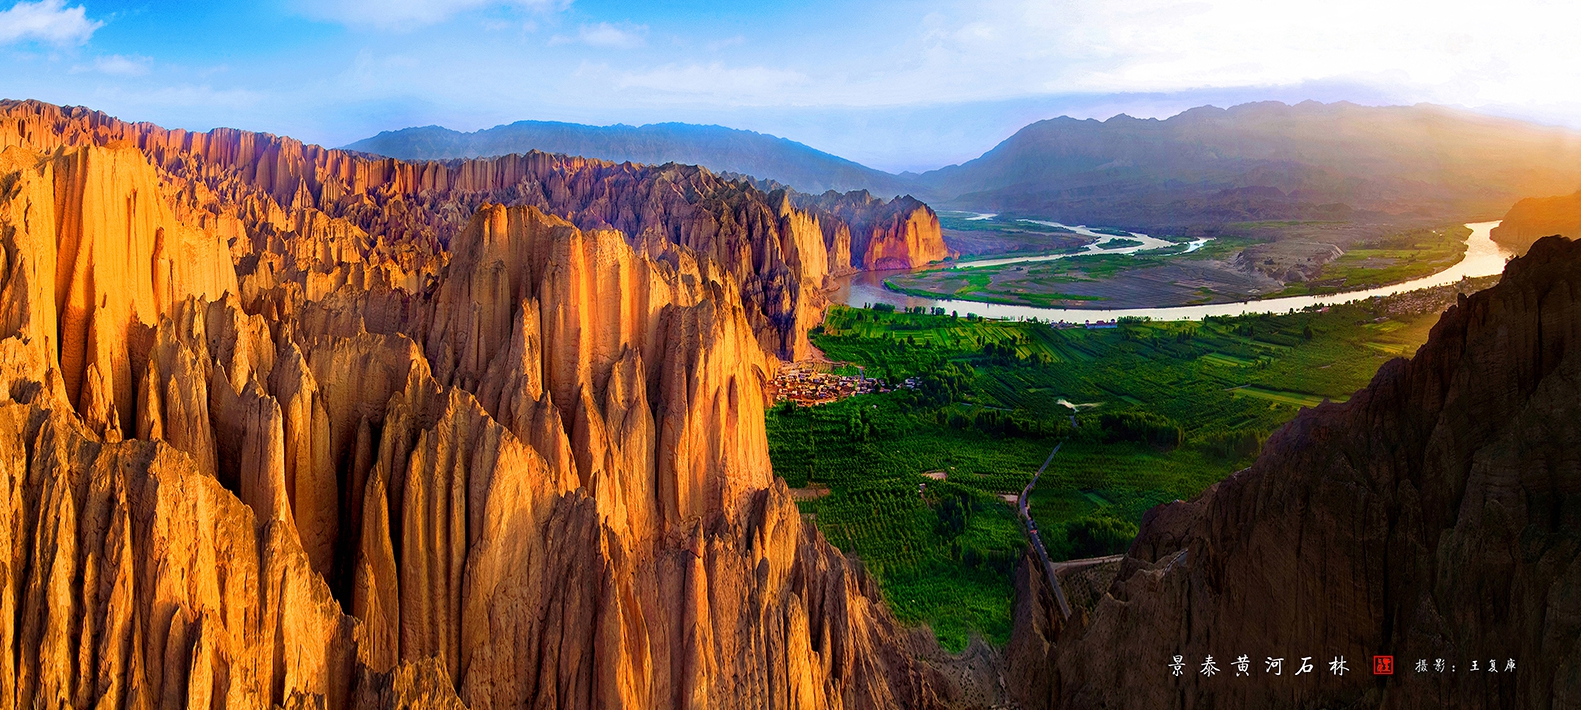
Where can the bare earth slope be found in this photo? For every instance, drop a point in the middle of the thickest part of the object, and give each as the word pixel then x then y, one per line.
pixel 286 426
pixel 1433 515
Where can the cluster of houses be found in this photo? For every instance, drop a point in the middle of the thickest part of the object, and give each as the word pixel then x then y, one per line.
pixel 1427 300
pixel 808 383
pixel 1089 325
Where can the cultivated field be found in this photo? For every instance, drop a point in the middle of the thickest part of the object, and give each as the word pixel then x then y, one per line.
pixel 1162 410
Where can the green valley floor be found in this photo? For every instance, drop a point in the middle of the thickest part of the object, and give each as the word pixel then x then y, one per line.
pixel 914 481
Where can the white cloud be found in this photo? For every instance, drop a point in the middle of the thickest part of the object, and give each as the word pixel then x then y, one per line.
pixel 1446 49
pixel 400 14
pixel 1019 60
pixel 605 36
pixel 117 65
pixel 719 44
pixel 46 21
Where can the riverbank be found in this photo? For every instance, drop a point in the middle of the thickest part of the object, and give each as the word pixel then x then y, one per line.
pixel 1482 257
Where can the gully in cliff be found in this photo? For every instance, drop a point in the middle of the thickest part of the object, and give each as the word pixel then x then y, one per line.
pixel 264 445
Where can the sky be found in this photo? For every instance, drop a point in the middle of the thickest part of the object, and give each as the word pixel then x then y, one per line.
pixel 910 85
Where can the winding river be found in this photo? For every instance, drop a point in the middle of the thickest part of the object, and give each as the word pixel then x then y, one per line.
pixel 1483 258
pixel 1101 245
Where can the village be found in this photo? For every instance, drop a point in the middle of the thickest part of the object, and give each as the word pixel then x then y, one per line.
pixel 1089 325
pixel 810 383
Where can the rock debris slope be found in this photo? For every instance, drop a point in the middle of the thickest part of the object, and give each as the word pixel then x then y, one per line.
pixel 1433 515
pixel 285 426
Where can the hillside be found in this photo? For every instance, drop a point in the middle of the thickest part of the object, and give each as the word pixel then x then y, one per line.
pixel 1537 217
pixel 717 148
pixel 1265 161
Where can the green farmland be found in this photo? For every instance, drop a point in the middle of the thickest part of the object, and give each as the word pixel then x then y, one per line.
pixel 1393 259
pixel 1165 410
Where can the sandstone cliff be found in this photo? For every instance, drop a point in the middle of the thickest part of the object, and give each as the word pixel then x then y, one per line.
pixel 1432 515
pixel 1536 217
pixel 900 234
pixel 338 216
pixel 279 426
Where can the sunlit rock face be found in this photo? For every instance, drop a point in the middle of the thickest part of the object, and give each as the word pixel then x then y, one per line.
pixel 902 233
pixel 1433 515
pixel 288 426
pixel 324 217
pixel 1536 217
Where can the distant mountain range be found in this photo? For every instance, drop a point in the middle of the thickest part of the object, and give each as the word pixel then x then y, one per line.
pixel 1259 161
pixel 1266 161
pixel 718 148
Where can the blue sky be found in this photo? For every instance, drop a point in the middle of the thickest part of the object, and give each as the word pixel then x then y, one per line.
pixel 896 85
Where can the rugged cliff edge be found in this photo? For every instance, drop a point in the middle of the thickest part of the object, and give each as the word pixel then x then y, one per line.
pixel 265 189
pixel 899 234
pixel 1536 217
pixel 721 149
pixel 1433 515
pixel 285 426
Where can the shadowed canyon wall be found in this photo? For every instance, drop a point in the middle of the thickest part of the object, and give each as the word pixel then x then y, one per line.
pixel 1432 515
pixel 286 426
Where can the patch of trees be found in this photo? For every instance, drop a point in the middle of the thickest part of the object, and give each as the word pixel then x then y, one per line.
pixel 1007 423
pixel 1141 427
pixel 943 385
pixel 861 425
pixel 1007 352
pixel 1262 327
pixel 1234 444
pixel 1001 350
pixel 955 506
pixel 954 511
pixel 999 560
pixel 1097 536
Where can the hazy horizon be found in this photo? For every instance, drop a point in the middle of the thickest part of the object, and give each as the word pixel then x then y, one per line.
pixel 894 86
pixel 1023 123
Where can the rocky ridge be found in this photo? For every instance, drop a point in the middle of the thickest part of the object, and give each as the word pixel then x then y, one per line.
pixel 286 426
pixel 391 221
pixel 898 234
pixel 721 149
pixel 1430 516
